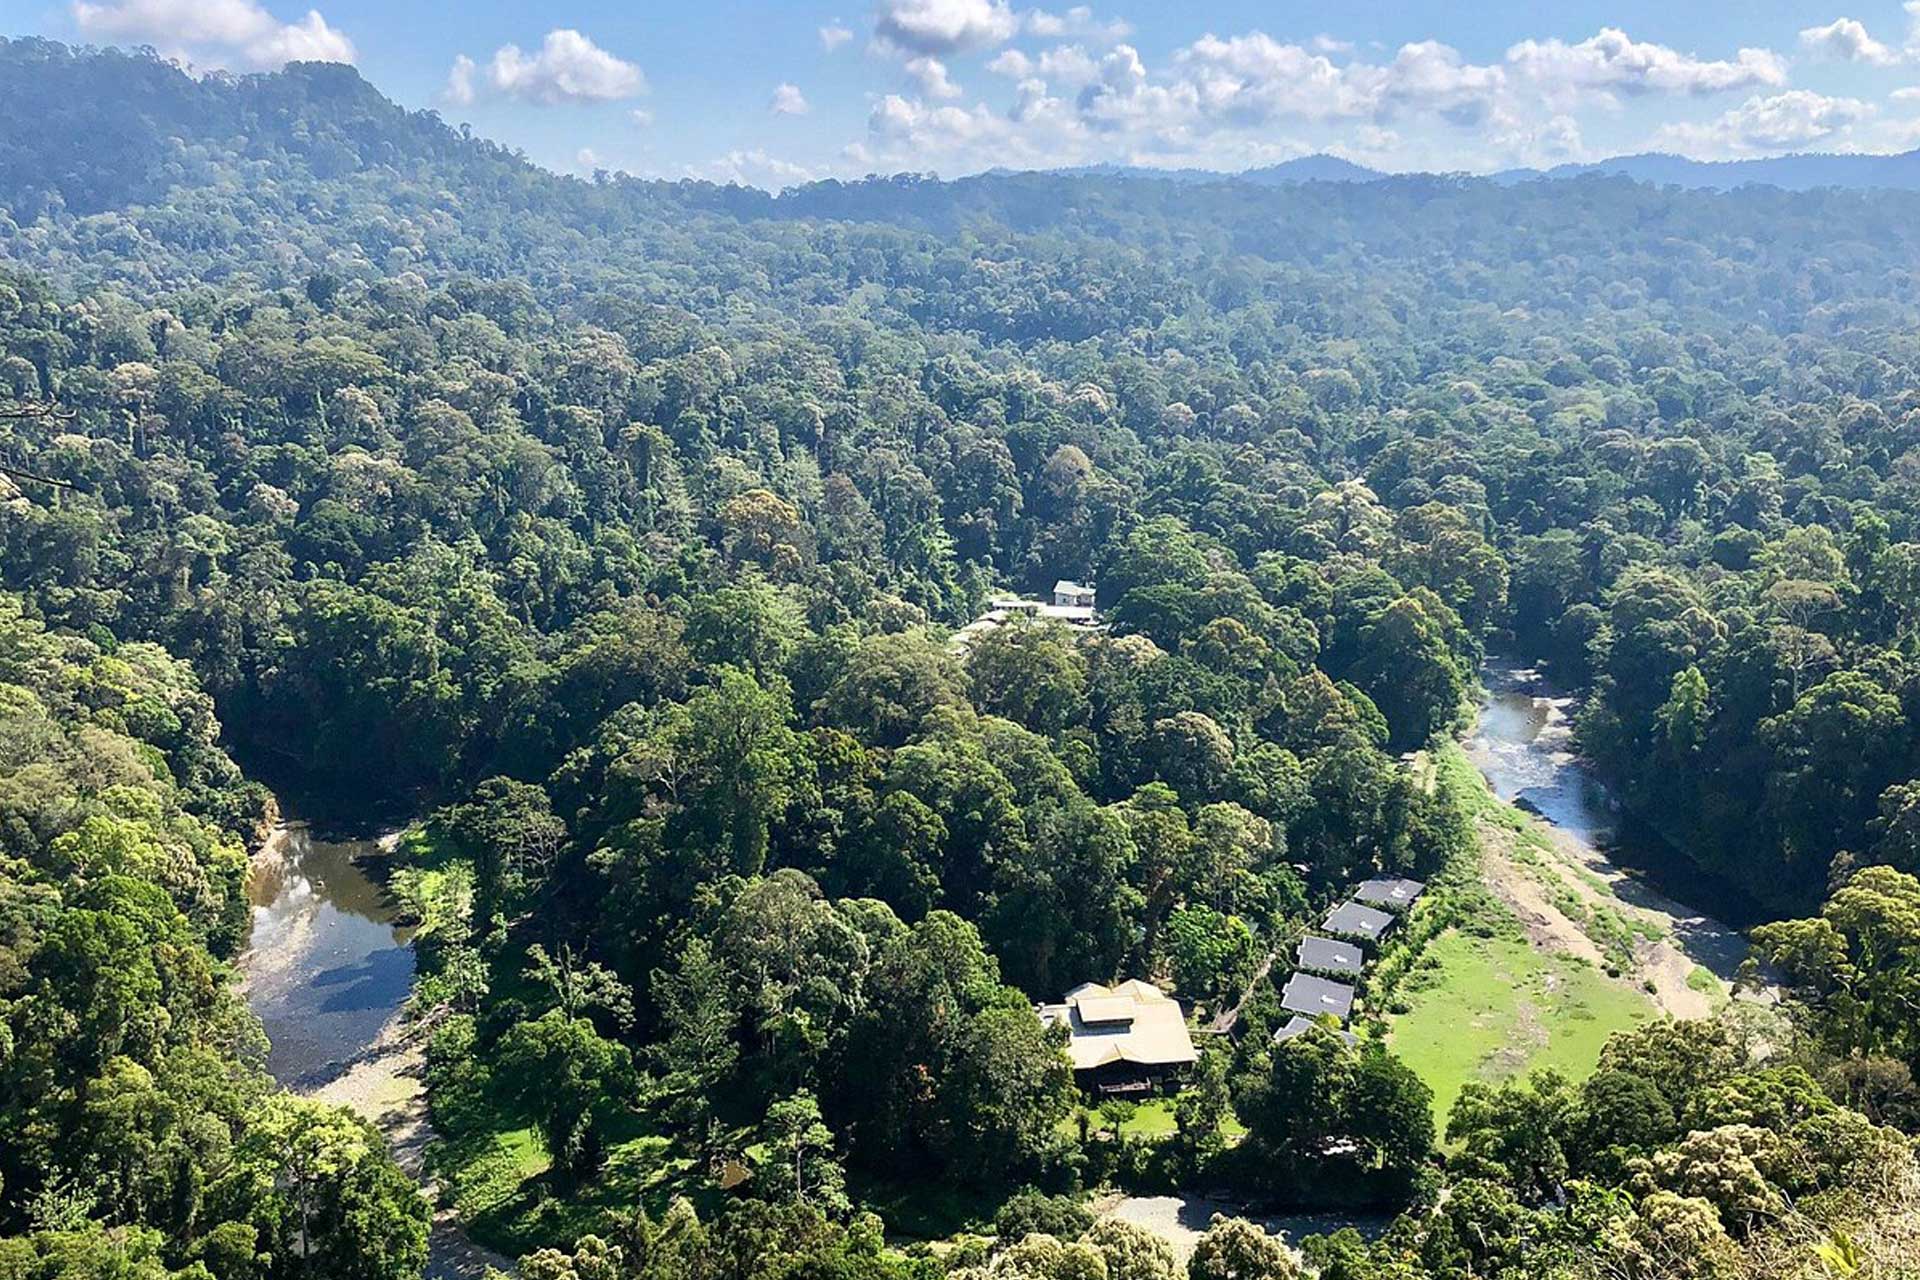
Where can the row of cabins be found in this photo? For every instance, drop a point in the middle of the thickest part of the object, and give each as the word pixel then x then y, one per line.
pixel 1326 969
pixel 1130 1038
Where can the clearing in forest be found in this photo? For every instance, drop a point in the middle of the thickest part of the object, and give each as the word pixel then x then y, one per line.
pixel 1499 1006
pixel 1553 965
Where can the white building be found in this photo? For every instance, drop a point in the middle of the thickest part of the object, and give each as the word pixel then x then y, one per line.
pixel 1071 595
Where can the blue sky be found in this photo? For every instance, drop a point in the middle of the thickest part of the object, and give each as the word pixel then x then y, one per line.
pixel 778 93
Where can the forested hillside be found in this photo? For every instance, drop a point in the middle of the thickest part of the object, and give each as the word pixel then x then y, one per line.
pixel 622 527
pixel 142 1133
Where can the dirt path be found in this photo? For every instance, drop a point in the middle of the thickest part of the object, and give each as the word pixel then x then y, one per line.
pixel 1544 923
pixel 387 1086
pixel 1552 876
pixel 1180 1219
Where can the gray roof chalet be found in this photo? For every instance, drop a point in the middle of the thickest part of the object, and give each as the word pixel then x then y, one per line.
pixel 1299 1023
pixel 1315 996
pixel 1325 955
pixel 1352 920
pixel 1392 892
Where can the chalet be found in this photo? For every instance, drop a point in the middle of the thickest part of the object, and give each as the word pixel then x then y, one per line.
pixel 1389 892
pixel 1329 957
pixel 1351 920
pixel 1306 994
pixel 1122 1039
pixel 1072 595
pixel 1077 613
pixel 1299 1023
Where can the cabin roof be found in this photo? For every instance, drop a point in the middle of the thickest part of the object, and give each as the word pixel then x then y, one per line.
pixel 1393 892
pixel 1314 996
pixel 1131 1021
pixel 1330 956
pixel 1299 1024
pixel 1356 921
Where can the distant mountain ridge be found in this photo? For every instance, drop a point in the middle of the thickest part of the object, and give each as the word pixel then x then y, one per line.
pixel 1802 172
pixel 1319 167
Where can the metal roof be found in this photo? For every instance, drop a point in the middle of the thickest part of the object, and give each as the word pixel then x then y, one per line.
pixel 1105 1009
pixel 1330 956
pixel 1299 1024
pixel 1315 996
pixel 1395 892
pixel 1356 921
pixel 1153 1032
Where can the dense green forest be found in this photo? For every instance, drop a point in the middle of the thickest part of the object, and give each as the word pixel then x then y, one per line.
pixel 619 531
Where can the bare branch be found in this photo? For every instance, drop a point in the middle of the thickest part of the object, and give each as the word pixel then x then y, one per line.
pixel 35 476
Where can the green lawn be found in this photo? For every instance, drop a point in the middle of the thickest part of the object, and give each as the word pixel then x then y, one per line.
pixel 498 1181
pixel 1151 1119
pixel 1498 1007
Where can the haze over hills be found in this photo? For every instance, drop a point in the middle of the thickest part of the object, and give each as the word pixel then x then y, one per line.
pixel 1801 172
pixel 136 116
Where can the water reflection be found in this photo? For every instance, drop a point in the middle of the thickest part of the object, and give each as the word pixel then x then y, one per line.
pixel 1523 744
pixel 325 967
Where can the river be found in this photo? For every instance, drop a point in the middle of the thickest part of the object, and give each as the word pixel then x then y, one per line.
pixel 326 967
pixel 1522 743
pixel 328 971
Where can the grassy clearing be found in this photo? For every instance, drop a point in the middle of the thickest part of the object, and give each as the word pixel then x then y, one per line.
pixel 1484 1004
pixel 1708 984
pixel 1151 1120
pixel 1493 1007
pixel 500 1183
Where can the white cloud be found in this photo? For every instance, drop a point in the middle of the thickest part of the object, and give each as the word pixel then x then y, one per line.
pixel 1847 39
pixel 834 34
pixel 642 117
pixel 1253 79
pixel 1612 61
pixel 788 101
pixel 913 125
pixel 1067 64
pixel 1012 64
pixel 1041 23
pixel 1235 99
pixel 940 27
pixel 1790 121
pixel 930 74
pixel 1031 102
pixel 1432 76
pixel 309 40
pixel 1542 145
pixel 569 68
pixel 753 167
pixel 217 30
pixel 1077 22
pixel 585 158
pixel 1909 94
pixel 459 90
